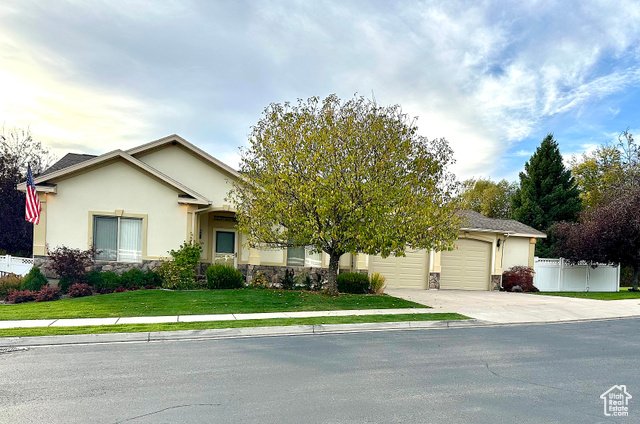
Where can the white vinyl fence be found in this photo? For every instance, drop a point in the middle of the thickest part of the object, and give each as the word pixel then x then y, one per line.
pixel 556 275
pixel 14 265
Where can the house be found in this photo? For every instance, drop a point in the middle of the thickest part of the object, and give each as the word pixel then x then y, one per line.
pixel 134 206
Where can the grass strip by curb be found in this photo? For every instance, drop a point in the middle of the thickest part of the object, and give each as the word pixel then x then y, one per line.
pixel 175 326
pixel 623 294
pixel 201 302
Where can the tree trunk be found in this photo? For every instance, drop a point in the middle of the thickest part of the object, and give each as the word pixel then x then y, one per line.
pixel 332 275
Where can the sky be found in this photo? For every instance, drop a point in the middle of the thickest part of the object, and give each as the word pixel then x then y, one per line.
pixel 492 77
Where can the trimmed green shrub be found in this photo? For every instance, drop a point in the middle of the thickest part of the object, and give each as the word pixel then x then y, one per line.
pixel 224 277
pixel 133 278
pixel 94 279
pixel 153 279
pixel 288 282
pixel 377 283
pixel 9 283
pixel 110 280
pixel 34 280
pixel 352 282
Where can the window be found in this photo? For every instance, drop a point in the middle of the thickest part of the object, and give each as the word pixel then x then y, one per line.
pixel 304 256
pixel 117 239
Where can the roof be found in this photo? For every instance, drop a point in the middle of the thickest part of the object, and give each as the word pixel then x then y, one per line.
pixel 475 221
pixel 42 180
pixel 67 160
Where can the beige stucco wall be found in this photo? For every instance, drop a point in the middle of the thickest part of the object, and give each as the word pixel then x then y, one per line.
pixel 190 170
pixel 115 186
pixel 516 252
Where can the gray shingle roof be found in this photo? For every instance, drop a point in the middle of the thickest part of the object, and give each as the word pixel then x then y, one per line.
pixel 473 220
pixel 68 160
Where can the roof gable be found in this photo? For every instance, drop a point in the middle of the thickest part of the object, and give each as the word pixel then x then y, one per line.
pixel 191 196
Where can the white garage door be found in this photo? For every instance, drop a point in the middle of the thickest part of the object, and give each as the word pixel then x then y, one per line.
pixel 402 272
pixel 467 267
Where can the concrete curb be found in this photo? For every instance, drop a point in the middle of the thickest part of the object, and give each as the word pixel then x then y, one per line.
pixel 242 332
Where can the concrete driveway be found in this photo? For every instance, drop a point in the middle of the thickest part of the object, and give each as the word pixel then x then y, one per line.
pixel 512 308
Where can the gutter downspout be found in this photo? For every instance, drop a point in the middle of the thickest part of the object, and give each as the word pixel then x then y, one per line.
pixel 506 236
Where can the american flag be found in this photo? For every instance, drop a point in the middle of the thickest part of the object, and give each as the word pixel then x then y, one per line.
pixel 32 212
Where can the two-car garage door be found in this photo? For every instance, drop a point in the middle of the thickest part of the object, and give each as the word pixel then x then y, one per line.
pixel 466 268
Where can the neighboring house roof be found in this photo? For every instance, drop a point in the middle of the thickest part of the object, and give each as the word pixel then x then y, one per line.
pixel 67 160
pixel 176 139
pixel 474 221
pixel 44 180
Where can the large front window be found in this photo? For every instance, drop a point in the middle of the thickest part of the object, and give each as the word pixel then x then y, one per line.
pixel 303 256
pixel 117 239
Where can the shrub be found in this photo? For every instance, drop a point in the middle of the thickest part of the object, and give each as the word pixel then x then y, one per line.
pixel 34 280
pixel 180 273
pixel 224 277
pixel 133 278
pixel 110 280
pixel 80 290
pixel 120 290
pixel 352 282
pixel 71 264
pixel 9 283
pixel 288 282
pixel 152 279
pixel 377 283
pixel 105 290
pixel 518 276
pixel 260 281
pixel 47 294
pixel 305 281
pixel 149 287
pixel 94 278
pixel 21 296
pixel 319 278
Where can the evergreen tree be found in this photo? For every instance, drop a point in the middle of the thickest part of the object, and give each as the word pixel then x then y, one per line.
pixel 547 193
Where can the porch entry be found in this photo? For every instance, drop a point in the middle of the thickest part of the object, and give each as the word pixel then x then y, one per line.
pixel 225 248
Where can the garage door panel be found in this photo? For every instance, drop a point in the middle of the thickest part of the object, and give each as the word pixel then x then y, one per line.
pixel 466 268
pixel 409 271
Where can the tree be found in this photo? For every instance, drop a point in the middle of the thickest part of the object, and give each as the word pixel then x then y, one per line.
pixel 491 199
pixel 608 171
pixel 17 149
pixel 547 193
pixel 607 234
pixel 344 177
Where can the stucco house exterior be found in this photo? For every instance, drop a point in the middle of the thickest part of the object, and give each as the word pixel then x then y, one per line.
pixel 136 205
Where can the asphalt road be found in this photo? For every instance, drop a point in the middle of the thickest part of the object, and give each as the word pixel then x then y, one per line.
pixel 518 374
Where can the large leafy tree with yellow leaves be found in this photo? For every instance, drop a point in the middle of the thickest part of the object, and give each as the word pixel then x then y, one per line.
pixel 344 177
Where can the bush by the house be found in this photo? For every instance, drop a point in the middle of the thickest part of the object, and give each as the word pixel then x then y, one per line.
pixel 377 283
pixel 120 290
pixel 224 277
pixel 352 282
pixel 9 283
pixel 47 294
pixel 260 281
pixel 180 274
pixel 288 282
pixel 518 276
pixel 133 278
pixel 103 280
pixel 105 290
pixel 153 280
pixel 305 281
pixel 21 296
pixel 80 290
pixel 70 264
pixel 34 280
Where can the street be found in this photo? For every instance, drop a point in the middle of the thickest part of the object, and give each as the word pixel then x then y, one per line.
pixel 512 374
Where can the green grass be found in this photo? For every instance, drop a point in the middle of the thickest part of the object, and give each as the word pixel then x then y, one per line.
pixel 162 302
pixel 624 293
pixel 276 322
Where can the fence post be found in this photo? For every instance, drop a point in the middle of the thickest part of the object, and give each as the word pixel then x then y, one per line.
pixel 7 259
pixel 561 275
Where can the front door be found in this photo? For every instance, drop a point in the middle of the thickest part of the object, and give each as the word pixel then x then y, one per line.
pixel 225 248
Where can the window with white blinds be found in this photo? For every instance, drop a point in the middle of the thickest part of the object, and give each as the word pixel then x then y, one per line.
pixel 117 239
pixel 304 256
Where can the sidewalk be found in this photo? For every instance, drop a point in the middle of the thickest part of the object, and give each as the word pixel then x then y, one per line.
pixel 77 322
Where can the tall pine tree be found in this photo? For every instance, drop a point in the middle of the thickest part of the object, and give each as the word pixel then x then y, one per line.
pixel 547 193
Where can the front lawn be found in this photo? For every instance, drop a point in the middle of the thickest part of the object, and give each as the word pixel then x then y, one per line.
pixel 624 293
pixel 276 322
pixel 162 302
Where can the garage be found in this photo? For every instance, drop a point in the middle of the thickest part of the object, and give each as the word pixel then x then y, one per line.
pixel 403 272
pixel 467 267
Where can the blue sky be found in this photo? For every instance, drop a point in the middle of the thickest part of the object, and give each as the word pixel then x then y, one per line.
pixel 492 77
